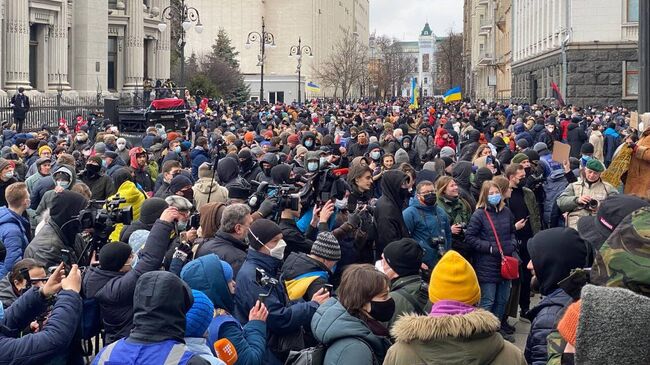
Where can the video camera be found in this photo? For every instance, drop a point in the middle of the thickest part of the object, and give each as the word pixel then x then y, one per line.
pixel 287 196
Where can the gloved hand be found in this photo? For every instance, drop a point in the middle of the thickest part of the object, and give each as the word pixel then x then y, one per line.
pixel 267 207
pixel 354 220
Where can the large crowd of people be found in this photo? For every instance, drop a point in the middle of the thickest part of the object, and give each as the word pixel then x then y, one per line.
pixel 332 232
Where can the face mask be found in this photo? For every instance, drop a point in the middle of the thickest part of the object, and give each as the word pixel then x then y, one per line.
pixel 278 250
pixel 181 225
pixel 407 146
pixel 177 149
pixel 103 163
pixel 494 199
pixel 332 270
pixel 430 199
pixel 63 184
pixel 9 175
pixel 382 311
pixel 550 129
pixel 312 166
pixel 93 169
pixel 86 153
pixel 309 143
pixel 322 161
pixel 233 128
pixel 135 261
pixel 121 146
pixel 375 155
pixel 341 204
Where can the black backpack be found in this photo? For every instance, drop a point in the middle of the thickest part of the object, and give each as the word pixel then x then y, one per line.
pixel 316 355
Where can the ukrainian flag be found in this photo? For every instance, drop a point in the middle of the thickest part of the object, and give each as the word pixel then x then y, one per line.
pixel 312 87
pixel 297 287
pixel 452 95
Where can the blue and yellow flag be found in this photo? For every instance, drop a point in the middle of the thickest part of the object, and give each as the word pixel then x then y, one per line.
pixel 312 87
pixel 415 94
pixel 297 287
pixel 453 94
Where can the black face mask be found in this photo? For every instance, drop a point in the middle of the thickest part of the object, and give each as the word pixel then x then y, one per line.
pixel 521 183
pixel 382 311
pixel 568 359
pixel 430 199
pixel 92 170
pixel 189 195
pixel 404 193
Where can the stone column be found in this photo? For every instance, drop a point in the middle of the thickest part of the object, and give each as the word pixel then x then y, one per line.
pixel 17 41
pixel 134 45
pixel 163 46
pixel 58 51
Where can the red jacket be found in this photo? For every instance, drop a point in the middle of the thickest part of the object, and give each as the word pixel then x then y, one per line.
pixel 442 142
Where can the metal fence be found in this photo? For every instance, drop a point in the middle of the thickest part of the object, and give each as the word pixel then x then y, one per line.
pixel 47 110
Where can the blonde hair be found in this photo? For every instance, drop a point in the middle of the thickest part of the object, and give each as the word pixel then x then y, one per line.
pixel 485 191
pixel 479 151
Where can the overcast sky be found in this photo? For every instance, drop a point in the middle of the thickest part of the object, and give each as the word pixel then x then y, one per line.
pixel 404 19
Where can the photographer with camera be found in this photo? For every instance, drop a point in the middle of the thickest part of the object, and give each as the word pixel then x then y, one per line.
pixel 62 230
pixel 582 197
pixel 54 339
pixel 112 284
pixel 296 240
pixel 259 279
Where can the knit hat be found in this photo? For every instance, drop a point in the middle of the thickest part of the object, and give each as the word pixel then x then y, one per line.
pixel 4 163
pixel 540 146
pixel 532 155
pixel 249 137
pixel 447 152
pixel 448 161
pixel 138 239
pixel 326 246
pixel 20 141
pixel 186 145
pixel 100 147
pixel 228 272
pixel 178 183
pixel 293 139
pixel 96 159
pixel 238 192
pixel 587 148
pixel 32 144
pixel 261 232
pixel 453 278
pixel 178 202
pixel 111 154
pixel 44 148
pixel 404 256
pixel 205 170
pixel 519 158
pixel 568 325
pixel 114 255
pixel 522 144
pixel 152 209
pixel 198 318
pixel 595 165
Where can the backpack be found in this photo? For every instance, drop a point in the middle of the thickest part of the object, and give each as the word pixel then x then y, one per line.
pixel 422 293
pixel 316 355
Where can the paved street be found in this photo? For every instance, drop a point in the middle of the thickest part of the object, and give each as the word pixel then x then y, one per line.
pixel 523 326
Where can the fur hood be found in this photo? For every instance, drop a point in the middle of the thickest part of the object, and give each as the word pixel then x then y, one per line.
pixel 412 327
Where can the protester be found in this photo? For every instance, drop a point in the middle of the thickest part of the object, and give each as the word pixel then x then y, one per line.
pixel 207 188
pixel 15 230
pixel 389 221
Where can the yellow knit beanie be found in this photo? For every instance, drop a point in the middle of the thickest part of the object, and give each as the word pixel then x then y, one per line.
pixel 454 278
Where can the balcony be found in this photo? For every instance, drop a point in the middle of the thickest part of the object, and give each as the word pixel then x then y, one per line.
pixel 485 59
pixel 483 2
pixel 486 26
pixel 630 32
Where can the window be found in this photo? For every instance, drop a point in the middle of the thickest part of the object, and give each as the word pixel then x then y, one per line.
pixel 276 97
pixel 426 92
pixel 631 79
pixel 112 4
pixel 33 55
pixel 112 63
pixel 426 80
pixel 632 8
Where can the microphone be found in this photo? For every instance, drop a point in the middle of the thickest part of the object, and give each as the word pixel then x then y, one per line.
pixel 225 351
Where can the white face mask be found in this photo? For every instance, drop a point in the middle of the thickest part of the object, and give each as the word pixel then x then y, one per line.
pixel 341 204
pixel 121 147
pixel 278 250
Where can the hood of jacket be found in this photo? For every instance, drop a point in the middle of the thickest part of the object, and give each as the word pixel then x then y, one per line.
pixel 401 156
pixel 556 175
pixel 206 274
pixel 472 336
pixel 160 302
pixel 227 170
pixel 298 263
pixel 332 322
pixel 68 170
pixel 280 174
pixel 307 136
pixel 196 152
pixel 611 132
pixel 461 172
pixel 206 185
pixel 65 205
pixel 133 154
pixel 404 139
pixel 391 185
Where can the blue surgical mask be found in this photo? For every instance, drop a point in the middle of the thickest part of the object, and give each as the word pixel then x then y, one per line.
pixel 177 149
pixel 63 184
pixel 312 166
pixel 333 269
pixel 309 143
pixel 181 225
pixel 103 163
pixel 494 199
pixel 375 155
pixel 135 260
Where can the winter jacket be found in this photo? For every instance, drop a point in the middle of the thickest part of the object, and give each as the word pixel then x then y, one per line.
pixel 422 145
pixel 298 264
pixel 638 173
pixel 13 234
pixel 576 137
pixel 545 316
pixel 250 174
pixel 411 295
pixel 53 340
pixel 115 165
pixel 349 340
pixel 114 290
pixel 47 245
pixel 100 186
pixel 198 156
pixel 134 226
pixel 568 199
pixel 597 139
pixel 612 141
pixel 134 199
pixel 206 186
pixel 227 247
pixel 7 294
pixel 553 187
pixel 142 174
pixel 470 338
pixel 441 142
pixel 284 318
pixel 388 210
pixel 459 211
pixel 295 239
pixel 425 223
pixel 486 259
pixel 357 150
pixel 159 306
pixel 414 159
pixel 199 346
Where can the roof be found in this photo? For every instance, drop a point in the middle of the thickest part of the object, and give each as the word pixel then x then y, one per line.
pixel 427 30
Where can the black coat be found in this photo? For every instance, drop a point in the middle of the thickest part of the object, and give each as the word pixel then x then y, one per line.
pixel 114 290
pixel 299 263
pixel 357 150
pixel 134 226
pixel 20 105
pixel 388 210
pixel 295 239
pixel 227 247
pixel 101 187
pixel 576 137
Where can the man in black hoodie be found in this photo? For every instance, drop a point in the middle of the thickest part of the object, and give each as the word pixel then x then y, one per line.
pixel 388 210
pixel 249 168
pixel 150 211
pixel 160 303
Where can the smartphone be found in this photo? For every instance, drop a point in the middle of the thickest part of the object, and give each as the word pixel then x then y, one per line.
pixel 262 297
pixel 329 288
pixel 195 221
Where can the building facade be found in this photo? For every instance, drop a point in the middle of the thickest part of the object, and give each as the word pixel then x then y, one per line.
pixel 503 50
pixel 589 48
pixel 319 23
pixel 81 47
pixel 480 44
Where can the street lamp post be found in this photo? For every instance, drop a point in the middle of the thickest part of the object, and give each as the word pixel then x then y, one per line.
pixel 187 16
pixel 265 39
pixel 298 51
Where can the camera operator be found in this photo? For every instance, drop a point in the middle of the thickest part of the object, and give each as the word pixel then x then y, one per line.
pixel 15 282
pixel 100 185
pixel 582 197
pixel 295 239
pixel 258 279
pixel 62 230
pixel 112 283
pixel 55 337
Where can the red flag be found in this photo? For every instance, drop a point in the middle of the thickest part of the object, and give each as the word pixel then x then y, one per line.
pixel 557 94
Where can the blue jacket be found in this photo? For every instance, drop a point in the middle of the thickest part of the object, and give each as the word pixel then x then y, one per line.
pixel 612 141
pixel 13 235
pixel 284 317
pixel 480 237
pixel 55 337
pixel 425 223
pixel 553 187
pixel 545 316
pixel 198 157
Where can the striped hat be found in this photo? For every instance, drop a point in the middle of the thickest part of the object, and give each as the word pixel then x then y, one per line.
pixel 327 247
